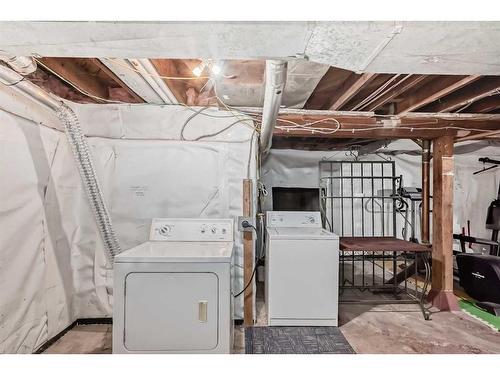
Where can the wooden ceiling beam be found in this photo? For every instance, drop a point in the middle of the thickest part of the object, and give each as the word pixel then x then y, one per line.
pixel 401 85
pixel 91 77
pixel 431 91
pixel 485 105
pixel 482 88
pixel 426 126
pixel 350 87
pixel 68 69
pixel 168 68
pixel 330 82
pixel 98 64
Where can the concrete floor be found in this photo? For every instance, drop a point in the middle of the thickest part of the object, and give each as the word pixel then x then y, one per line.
pixel 385 328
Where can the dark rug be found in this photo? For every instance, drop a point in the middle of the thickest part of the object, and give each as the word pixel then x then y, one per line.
pixel 296 340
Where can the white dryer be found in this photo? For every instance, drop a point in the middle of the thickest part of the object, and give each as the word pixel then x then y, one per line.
pixel 302 270
pixel 172 294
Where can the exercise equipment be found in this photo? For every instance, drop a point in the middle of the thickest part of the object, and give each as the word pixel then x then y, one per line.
pixel 480 274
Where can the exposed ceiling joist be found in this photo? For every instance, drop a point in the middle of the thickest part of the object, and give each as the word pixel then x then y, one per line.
pixel 97 63
pixel 350 87
pixel 484 87
pixel 401 85
pixel 68 69
pixel 370 126
pixel 128 74
pixel 167 68
pixel 485 105
pixel 478 136
pixel 330 82
pixel 433 90
pixel 90 77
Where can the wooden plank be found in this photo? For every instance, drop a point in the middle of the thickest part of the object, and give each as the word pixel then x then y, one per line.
pixel 69 69
pixel 349 88
pixel 478 136
pixel 480 89
pixel 168 68
pixel 98 64
pixel 248 257
pixel 374 127
pixel 485 105
pixel 400 86
pixel 442 233
pixel 374 244
pixel 329 83
pixel 431 91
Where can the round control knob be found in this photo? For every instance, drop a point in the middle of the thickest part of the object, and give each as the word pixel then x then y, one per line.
pixel 214 230
pixel 165 230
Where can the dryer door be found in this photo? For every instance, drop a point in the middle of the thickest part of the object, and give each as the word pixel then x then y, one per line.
pixel 170 311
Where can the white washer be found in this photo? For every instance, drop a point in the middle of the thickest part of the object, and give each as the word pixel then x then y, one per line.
pixel 302 270
pixel 172 294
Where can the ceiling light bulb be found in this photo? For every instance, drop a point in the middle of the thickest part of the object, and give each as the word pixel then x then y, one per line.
pixel 197 71
pixel 215 69
pixel 199 68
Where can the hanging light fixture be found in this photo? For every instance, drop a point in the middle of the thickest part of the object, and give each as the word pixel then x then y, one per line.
pixel 199 68
pixel 214 67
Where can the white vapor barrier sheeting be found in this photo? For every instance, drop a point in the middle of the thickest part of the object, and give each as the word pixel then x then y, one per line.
pixel 52 261
pixel 472 193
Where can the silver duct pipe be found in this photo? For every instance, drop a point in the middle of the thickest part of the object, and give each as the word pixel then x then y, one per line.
pixel 275 84
pixel 81 153
pixel 22 64
pixel 16 81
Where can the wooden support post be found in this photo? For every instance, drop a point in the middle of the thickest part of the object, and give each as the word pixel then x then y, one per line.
pixel 248 256
pixel 426 185
pixel 441 293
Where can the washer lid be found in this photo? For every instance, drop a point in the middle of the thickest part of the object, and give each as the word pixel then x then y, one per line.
pixel 301 234
pixel 181 252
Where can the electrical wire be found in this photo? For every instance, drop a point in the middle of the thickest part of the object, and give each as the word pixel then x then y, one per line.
pixel 295 126
pixel 258 262
pixel 249 281
pixel 98 98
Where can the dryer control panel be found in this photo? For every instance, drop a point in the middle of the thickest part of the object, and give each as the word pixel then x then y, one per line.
pixel 293 219
pixel 165 229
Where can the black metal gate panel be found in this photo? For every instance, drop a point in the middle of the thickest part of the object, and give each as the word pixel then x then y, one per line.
pixel 357 197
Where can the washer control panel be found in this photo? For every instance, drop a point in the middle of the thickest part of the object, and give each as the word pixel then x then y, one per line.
pixel 293 219
pixel 163 229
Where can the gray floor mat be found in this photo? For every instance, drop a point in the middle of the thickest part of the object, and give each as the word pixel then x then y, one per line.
pixel 295 340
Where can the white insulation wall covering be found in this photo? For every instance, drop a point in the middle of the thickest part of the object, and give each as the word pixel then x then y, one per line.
pixel 472 194
pixel 53 269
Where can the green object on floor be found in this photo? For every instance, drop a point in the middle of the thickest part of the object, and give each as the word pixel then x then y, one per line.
pixel 472 309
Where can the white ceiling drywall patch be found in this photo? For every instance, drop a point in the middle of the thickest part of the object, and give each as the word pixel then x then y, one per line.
pixel 217 40
pixel 378 47
pixel 442 48
pixel 348 45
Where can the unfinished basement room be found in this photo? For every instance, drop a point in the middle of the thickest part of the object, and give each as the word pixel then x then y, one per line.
pixel 308 187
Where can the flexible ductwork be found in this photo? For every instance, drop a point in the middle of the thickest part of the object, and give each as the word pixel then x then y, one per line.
pixel 275 84
pixel 81 153
pixel 22 64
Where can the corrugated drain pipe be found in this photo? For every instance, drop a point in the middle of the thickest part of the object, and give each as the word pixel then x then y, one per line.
pixel 81 153
pixel 275 84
